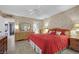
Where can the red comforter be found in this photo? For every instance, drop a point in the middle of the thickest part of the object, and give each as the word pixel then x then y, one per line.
pixel 49 43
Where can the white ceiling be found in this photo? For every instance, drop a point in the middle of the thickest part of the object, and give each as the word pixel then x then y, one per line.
pixel 34 11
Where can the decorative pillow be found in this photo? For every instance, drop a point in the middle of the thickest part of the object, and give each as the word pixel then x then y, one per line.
pixel 52 32
pixel 62 33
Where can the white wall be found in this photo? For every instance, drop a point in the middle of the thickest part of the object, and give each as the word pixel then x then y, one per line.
pixel 2 27
pixel 59 21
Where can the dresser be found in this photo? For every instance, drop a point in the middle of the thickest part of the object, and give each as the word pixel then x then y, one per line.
pixel 3 44
pixel 74 43
pixel 22 36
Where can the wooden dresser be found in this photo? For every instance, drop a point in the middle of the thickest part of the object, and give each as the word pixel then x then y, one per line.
pixel 3 44
pixel 21 35
pixel 74 43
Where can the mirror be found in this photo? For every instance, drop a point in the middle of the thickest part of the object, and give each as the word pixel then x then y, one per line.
pixel 24 26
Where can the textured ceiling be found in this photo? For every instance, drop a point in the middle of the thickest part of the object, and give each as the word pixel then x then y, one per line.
pixel 34 11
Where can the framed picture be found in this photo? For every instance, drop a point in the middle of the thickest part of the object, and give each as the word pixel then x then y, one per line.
pixel 6 27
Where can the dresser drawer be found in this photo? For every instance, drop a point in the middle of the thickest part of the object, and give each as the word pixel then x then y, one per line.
pixel 3 45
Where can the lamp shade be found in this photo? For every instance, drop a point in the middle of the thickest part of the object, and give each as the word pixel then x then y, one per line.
pixel 76 25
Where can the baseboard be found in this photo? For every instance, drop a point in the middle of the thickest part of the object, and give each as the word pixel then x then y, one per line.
pixel 20 40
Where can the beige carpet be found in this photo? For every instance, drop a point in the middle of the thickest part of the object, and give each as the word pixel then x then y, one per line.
pixel 23 47
pixel 69 51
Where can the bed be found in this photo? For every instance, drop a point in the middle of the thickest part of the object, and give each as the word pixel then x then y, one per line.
pixel 49 43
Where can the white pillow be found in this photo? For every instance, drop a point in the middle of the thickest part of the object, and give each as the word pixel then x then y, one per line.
pixel 58 33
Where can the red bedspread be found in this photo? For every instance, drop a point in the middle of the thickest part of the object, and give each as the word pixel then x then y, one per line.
pixel 49 43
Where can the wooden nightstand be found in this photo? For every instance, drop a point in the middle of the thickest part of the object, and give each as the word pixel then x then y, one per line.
pixel 74 43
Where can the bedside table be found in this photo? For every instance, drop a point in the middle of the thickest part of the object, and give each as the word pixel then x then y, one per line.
pixel 74 43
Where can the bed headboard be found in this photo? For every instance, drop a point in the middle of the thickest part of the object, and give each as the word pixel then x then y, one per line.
pixel 66 31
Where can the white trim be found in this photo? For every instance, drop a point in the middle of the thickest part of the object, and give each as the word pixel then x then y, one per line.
pixel 35 47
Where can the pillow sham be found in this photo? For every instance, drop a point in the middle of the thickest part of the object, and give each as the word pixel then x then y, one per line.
pixel 52 32
pixel 58 33
pixel 62 33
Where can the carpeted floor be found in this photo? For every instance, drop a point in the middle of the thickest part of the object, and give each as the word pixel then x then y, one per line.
pixel 69 51
pixel 23 47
